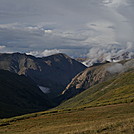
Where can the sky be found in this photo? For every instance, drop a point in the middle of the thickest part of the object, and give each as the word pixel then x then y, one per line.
pixel 75 27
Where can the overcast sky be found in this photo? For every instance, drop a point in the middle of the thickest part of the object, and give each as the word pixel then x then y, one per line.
pixel 74 27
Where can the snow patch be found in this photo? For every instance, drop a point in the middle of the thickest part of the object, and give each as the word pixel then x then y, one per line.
pixel 44 89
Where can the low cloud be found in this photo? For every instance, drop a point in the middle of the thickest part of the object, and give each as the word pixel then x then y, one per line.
pixel 119 68
pixel 44 53
pixel 111 53
pixel 50 52
pixel 114 3
pixel 2 47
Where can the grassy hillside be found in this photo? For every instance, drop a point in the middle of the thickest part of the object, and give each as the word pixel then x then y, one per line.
pixel 119 89
pixel 113 119
pixel 95 75
pixel 19 95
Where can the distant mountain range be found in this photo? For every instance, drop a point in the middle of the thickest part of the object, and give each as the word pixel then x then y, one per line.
pixel 29 84
pixel 52 72
pixel 103 58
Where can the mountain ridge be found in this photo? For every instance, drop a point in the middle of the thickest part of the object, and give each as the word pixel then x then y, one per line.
pixel 53 72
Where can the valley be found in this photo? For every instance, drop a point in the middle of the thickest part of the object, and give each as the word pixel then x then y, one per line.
pixel 98 99
pixel 66 66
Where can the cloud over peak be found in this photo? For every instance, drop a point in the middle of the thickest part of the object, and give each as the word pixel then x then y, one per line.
pixel 114 3
pixel 73 27
pixel 44 53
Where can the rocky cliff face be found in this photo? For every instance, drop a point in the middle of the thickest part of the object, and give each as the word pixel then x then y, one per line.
pixel 53 72
pixel 94 75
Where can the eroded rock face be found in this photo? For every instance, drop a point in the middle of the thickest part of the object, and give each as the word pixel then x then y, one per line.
pixel 53 72
pixel 94 75
pixel 86 79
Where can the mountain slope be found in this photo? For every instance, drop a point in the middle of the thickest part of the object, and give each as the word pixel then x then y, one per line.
pixel 19 95
pixel 53 72
pixel 94 75
pixel 119 89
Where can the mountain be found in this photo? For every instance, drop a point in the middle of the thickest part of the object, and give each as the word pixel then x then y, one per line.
pixel 81 59
pixel 20 95
pixel 107 107
pixel 109 57
pixel 118 89
pixel 52 72
pixel 122 56
pixel 94 75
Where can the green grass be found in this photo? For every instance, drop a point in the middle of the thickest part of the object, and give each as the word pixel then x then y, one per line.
pixel 110 119
pixel 117 90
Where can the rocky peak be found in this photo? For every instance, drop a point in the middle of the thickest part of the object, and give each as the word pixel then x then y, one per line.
pixel 53 72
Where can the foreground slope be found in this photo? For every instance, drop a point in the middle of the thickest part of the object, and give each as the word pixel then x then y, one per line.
pixel 114 119
pixel 53 72
pixel 19 95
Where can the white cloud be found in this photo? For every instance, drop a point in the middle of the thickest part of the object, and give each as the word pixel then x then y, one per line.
pixel 71 26
pixel 10 25
pixel 2 47
pixel 48 31
pixel 114 3
pixel 44 53
pixel 112 53
pixel 102 34
pixel 116 68
pixel 50 52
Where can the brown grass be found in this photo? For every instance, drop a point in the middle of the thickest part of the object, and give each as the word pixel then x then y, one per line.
pixel 115 119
